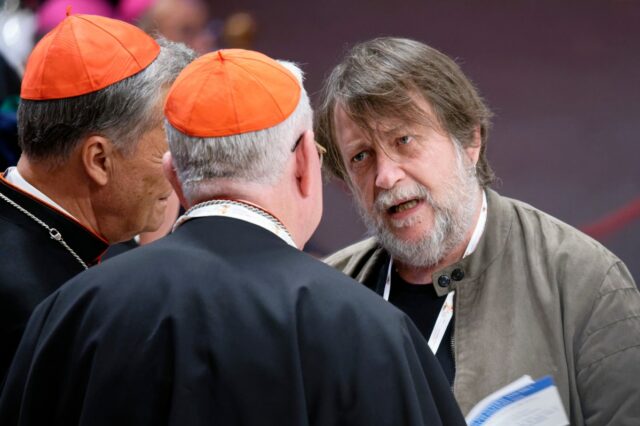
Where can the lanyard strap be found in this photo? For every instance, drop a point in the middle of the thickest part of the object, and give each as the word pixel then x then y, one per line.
pixel 446 312
pixel 443 320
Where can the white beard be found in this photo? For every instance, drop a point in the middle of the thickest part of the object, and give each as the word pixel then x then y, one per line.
pixel 453 217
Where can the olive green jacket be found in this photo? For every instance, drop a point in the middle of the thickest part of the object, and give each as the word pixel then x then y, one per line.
pixel 537 297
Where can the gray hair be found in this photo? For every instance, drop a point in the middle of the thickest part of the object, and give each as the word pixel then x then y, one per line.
pixel 378 79
pixel 122 112
pixel 257 157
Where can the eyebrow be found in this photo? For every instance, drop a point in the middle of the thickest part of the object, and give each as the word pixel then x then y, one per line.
pixel 357 145
pixel 393 130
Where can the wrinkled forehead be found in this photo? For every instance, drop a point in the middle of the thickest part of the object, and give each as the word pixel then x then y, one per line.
pixel 379 117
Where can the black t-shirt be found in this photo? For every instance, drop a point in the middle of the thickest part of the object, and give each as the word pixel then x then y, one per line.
pixel 422 305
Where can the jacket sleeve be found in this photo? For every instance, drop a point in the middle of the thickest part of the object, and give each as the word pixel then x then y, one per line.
pixel 356 260
pixel 608 353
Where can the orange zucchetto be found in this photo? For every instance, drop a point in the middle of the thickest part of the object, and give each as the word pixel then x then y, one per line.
pixel 229 92
pixel 83 54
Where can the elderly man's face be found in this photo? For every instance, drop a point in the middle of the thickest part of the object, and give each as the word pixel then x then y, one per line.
pixel 415 189
pixel 139 190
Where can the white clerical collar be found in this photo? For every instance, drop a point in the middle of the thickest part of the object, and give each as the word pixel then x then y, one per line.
pixel 238 210
pixel 14 177
pixel 479 229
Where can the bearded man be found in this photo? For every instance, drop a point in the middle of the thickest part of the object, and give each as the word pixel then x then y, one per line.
pixel 499 288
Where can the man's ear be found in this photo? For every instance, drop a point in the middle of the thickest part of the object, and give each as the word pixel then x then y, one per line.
pixel 307 163
pixel 97 158
pixel 172 176
pixel 473 150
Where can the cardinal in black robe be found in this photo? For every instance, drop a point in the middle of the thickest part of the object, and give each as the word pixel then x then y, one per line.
pixel 32 263
pixel 222 323
pixel 65 201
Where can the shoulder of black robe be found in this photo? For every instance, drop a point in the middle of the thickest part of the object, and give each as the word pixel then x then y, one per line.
pixel 32 265
pixel 222 323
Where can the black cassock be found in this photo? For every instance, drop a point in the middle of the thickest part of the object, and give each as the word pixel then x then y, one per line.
pixel 32 265
pixel 222 323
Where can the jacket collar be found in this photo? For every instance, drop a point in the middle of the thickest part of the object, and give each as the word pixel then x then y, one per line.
pixel 467 270
pixel 490 247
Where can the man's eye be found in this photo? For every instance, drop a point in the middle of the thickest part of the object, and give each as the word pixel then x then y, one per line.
pixel 359 157
pixel 404 140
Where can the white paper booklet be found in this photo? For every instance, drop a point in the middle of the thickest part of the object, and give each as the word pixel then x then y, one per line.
pixel 523 402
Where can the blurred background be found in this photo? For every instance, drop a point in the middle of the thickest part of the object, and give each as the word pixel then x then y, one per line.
pixel 562 77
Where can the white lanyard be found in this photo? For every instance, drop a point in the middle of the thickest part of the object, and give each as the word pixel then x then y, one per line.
pixel 238 210
pixel 444 317
pixel 446 312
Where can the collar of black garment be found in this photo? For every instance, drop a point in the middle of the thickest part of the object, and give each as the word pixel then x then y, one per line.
pixel 88 245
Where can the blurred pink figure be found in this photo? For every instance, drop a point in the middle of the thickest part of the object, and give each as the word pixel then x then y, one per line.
pixel 186 21
pixel 52 12
pixel 132 10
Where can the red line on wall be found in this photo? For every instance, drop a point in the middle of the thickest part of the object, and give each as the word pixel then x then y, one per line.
pixel 614 221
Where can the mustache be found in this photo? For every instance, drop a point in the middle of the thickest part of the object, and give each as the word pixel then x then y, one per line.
pixel 390 197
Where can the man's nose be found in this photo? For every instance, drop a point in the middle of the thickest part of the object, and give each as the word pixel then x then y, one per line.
pixel 388 172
